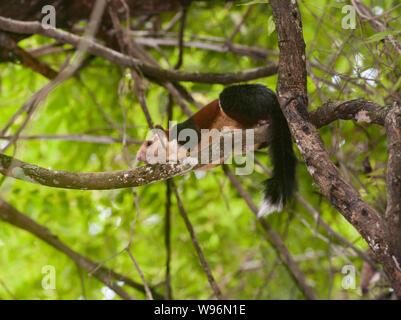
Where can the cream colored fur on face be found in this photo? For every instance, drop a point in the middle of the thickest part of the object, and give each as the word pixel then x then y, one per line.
pixel 162 151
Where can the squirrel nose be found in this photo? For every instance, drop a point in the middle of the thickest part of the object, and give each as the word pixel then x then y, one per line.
pixel 141 157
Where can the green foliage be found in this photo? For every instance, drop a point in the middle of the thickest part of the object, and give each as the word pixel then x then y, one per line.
pixel 97 223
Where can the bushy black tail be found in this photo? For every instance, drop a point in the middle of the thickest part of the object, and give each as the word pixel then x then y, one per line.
pixel 281 186
pixel 259 102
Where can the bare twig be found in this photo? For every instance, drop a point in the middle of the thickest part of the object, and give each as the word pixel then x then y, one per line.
pixel 13 216
pixel 145 284
pixel 172 22
pixel 3 284
pixel 181 39
pixel 278 243
pixel 195 242
pixel 40 95
pixel 115 57
pixel 77 138
pixel 239 25
pixel 256 53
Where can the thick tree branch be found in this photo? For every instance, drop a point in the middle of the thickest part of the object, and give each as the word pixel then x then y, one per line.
pixel 359 110
pixel 393 126
pixel 115 57
pixel 319 221
pixel 13 51
pixel 12 167
pixel 292 95
pixel 393 183
pixel 15 168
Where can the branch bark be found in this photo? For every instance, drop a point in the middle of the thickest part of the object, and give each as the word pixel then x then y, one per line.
pixel 9 48
pixel 23 27
pixel 359 110
pixel 393 183
pixel 140 176
pixel 293 99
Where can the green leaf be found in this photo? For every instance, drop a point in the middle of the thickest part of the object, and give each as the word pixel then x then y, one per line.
pixel 381 35
pixel 271 27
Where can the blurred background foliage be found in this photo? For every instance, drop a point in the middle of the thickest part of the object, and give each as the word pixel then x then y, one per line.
pixel 343 65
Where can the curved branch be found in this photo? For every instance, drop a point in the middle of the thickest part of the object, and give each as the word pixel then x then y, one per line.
pixel 28 27
pixel 140 176
pixel 293 97
pixel 17 169
pixel 359 110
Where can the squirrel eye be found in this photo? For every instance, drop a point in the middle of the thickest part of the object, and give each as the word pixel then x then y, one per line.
pixel 148 143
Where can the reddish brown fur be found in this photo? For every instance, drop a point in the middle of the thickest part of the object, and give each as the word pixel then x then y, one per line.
pixel 212 116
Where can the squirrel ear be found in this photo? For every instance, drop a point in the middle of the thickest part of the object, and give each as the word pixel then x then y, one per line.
pixel 159 127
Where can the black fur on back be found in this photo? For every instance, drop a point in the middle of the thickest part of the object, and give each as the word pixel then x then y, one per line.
pixel 254 100
pixel 187 124
pixel 258 101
